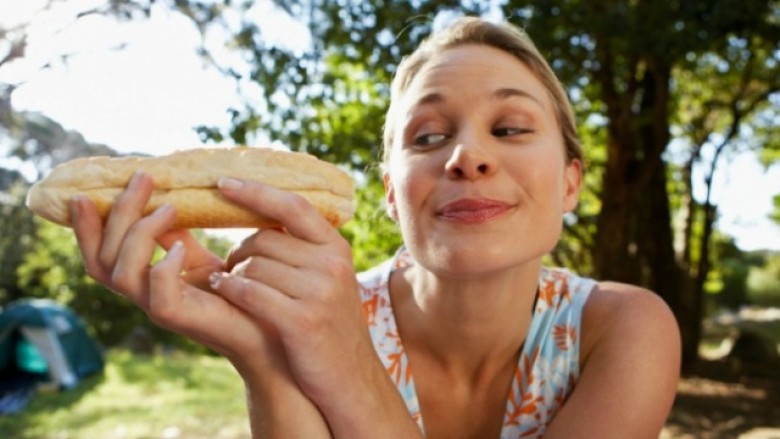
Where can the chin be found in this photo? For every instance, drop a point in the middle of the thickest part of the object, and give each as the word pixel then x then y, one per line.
pixel 463 261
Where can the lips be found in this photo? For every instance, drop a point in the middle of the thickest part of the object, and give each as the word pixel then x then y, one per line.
pixel 473 211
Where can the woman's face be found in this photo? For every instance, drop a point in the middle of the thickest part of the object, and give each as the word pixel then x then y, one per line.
pixel 477 176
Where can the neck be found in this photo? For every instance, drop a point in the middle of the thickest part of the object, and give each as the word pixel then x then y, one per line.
pixel 469 326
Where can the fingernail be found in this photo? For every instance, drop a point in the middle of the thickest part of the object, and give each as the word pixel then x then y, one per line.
pixel 229 183
pixel 215 279
pixel 162 210
pixel 135 180
pixel 175 250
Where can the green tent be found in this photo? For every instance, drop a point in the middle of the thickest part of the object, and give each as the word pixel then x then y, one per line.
pixel 45 338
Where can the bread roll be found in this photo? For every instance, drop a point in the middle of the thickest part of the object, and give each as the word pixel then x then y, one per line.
pixel 188 180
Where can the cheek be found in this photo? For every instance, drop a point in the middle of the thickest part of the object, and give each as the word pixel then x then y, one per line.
pixel 411 185
pixel 543 180
pixel 404 192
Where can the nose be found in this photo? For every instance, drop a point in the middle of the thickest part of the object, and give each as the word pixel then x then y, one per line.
pixel 470 161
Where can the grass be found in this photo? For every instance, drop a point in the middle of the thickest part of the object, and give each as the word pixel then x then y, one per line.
pixel 179 396
pixel 176 396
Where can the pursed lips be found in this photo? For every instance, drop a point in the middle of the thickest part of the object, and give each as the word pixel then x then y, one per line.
pixel 471 211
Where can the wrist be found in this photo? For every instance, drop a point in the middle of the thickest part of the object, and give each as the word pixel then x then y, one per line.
pixel 278 408
pixel 372 407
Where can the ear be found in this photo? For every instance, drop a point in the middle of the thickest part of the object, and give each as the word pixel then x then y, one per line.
pixel 572 181
pixel 392 211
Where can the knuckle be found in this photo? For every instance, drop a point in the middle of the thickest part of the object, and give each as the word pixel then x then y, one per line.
pixel 311 322
pixel 339 267
pixel 121 281
pixel 161 312
pixel 298 205
pixel 163 316
pixel 240 291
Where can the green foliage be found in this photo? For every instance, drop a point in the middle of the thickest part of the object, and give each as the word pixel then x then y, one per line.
pixel 575 248
pixel 187 395
pixel 329 99
pixel 727 282
pixel 373 235
pixel 53 268
pixel 17 228
pixel 763 282
pixel 38 140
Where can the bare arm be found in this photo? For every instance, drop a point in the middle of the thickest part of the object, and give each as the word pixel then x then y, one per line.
pixel 278 408
pixel 300 281
pixel 176 295
pixel 630 367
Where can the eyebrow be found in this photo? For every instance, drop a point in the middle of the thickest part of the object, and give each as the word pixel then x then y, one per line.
pixel 500 94
pixel 505 93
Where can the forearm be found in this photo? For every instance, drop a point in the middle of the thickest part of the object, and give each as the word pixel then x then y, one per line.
pixel 374 409
pixel 278 409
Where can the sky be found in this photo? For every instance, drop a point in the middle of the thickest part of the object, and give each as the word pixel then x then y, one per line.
pixel 149 95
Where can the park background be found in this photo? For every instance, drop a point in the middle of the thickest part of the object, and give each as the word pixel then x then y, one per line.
pixel 678 106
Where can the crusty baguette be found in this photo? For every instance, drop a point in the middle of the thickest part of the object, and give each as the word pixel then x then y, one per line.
pixel 188 180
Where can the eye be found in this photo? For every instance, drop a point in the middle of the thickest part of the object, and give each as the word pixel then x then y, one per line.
pixel 510 131
pixel 432 139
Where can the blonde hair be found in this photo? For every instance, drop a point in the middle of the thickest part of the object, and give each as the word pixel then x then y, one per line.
pixel 503 36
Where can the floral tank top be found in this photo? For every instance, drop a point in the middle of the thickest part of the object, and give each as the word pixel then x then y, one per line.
pixel 548 367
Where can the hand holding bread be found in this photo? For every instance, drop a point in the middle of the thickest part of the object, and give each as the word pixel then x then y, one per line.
pixel 188 181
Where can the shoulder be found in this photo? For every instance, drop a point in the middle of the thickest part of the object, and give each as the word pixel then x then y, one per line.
pixel 630 364
pixel 623 314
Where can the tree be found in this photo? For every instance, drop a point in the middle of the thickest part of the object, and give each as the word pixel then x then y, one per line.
pixel 727 283
pixel 41 259
pixel 17 226
pixel 763 280
pixel 731 111
pixel 645 62
pixel 53 268
pixel 631 63
pixel 640 73
pixel 40 143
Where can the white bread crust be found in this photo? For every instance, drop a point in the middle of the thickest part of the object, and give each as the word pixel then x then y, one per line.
pixel 187 179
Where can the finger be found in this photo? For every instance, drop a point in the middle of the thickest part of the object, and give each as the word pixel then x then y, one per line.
pixel 276 275
pixel 256 299
pixel 88 227
pixel 197 254
pixel 167 290
pixel 271 243
pixel 202 316
pixel 291 210
pixel 130 274
pixel 165 283
pixel 126 211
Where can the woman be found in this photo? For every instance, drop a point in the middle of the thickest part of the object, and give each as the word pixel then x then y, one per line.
pixel 463 333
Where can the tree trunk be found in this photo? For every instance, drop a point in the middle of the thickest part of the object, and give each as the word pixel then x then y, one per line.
pixel 635 239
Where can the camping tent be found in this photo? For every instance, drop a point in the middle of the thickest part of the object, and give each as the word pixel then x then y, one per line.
pixel 42 337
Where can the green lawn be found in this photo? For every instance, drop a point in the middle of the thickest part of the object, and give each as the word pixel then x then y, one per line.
pixel 176 396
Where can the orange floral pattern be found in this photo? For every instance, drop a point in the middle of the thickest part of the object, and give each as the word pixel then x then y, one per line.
pixel 548 368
